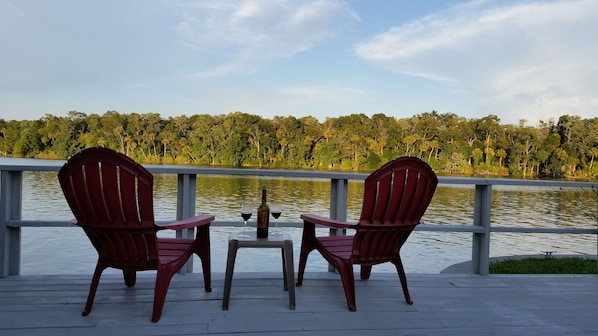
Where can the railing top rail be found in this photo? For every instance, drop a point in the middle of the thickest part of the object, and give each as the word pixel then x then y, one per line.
pixel 18 164
pixel 515 182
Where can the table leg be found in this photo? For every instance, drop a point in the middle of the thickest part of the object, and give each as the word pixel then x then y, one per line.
pixel 284 268
pixel 233 246
pixel 289 271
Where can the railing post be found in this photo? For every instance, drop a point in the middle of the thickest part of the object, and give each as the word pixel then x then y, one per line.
pixel 480 258
pixel 339 191
pixel 10 209
pixel 338 199
pixel 185 209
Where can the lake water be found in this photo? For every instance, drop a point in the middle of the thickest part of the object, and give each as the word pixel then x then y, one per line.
pixel 67 250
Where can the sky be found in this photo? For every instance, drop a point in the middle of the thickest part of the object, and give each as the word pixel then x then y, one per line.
pixel 531 60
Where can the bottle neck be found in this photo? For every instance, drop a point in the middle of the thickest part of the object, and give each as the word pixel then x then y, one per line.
pixel 263 195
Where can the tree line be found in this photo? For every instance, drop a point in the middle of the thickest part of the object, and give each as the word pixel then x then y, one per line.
pixel 449 143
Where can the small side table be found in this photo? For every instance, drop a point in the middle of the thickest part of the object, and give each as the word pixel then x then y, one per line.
pixel 282 242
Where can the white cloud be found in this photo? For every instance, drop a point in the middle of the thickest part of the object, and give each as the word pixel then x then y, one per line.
pixel 528 60
pixel 252 32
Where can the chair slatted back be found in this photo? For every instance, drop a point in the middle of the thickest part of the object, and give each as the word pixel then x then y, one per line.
pixel 396 197
pixel 111 197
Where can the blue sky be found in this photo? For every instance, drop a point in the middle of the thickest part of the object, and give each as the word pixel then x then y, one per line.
pixel 518 59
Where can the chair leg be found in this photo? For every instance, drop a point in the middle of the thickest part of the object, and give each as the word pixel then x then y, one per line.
pixel 130 277
pixel 207 273
pixel 347 277
pixel 95 280
pixel 202 241
pixel 401 271
pixel 302 263
pixel 307 245
pixel 163 277
pixel 366 271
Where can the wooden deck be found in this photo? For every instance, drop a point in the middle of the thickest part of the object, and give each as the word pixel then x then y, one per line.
pixel 445 304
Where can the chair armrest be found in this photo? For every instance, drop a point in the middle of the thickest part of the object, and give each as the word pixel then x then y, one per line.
pixel 327 221
pixel 188 223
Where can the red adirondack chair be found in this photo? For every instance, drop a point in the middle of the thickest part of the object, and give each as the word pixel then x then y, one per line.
pixel 111 197
pixel 394 201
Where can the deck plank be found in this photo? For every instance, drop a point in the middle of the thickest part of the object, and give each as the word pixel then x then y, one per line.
pixel 445 304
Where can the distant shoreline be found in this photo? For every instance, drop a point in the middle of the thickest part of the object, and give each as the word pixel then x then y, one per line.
pixel 465 267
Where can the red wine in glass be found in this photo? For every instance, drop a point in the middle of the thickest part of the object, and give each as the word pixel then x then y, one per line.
pixel 246 211
pixel 276 210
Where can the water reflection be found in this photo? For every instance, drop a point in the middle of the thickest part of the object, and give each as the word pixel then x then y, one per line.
pixel 67 250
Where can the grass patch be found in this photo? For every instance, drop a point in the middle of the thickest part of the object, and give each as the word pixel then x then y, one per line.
pixel 547 265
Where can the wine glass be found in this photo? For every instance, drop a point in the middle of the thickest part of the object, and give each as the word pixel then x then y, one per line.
pixel 246 211
pixel 275 210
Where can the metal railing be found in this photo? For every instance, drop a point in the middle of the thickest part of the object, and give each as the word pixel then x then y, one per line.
pixel 11 222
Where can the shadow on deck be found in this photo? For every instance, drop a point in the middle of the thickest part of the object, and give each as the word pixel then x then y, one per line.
pixel 445 304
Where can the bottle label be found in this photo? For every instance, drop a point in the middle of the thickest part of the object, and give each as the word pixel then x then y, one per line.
pixel 262 219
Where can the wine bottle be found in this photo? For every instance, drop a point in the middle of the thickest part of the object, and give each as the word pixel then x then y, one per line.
pixel 263 217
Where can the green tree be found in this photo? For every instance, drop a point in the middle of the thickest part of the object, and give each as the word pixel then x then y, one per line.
pixel 501 154
pixel 113 130
pixel 203 139
pixel 451 144
pixel 477 156
pixel 523 145
pixel 28 144
pixel 71 128
pixel 312 136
